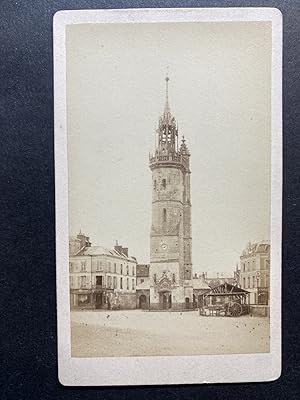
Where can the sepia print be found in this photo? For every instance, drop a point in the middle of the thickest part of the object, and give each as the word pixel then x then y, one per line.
pixel 169 147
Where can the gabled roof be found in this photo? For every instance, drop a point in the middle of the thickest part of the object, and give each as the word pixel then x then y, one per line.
pixel 225 288
pixel 199 283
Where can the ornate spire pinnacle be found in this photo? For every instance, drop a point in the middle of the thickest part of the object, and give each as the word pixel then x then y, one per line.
pixel 183 148
pixel 167 107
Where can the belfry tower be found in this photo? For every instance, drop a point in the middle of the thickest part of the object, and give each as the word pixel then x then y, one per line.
pixel 170 237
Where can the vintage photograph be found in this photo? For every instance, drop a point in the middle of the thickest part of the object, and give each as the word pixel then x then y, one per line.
pixel 169 146
pixel 169 188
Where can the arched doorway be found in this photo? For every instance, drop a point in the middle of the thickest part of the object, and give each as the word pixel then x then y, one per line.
pixel 142 301
pixel 165 300
pixel 187 303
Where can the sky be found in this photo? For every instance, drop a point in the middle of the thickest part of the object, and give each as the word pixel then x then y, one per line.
pixel 220 95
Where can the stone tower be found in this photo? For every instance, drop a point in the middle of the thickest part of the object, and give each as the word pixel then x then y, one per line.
pixel 170 237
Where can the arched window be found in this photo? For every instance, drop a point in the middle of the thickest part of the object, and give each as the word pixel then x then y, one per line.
pixel 127 270
pixel 115 282
pixel 121 283
pixel 132 284
pixel 164 183
pixel 121 269
pixel 249 282
pixel 187 274
pixel 133 270
pixel 164 215
pixel 127 283
pixel 154 278
pixel 173 278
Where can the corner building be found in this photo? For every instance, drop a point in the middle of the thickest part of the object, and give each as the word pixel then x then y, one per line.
pixel 170 237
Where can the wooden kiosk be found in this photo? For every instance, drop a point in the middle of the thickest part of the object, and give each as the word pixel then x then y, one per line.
pixel 224 300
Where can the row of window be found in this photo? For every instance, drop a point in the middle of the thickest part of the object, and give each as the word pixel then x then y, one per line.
pixel 99 267
pixel 255 282
pixel 250 266
pixel 112 282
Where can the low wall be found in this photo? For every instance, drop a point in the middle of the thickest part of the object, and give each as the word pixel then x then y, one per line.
pixel 259 310
pixel 174 307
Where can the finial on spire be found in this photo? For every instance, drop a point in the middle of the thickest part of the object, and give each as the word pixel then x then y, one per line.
pixel 167 107
pixel 167 86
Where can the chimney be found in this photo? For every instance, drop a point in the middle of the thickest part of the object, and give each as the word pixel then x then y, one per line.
pixel 84 240
pixel 118 249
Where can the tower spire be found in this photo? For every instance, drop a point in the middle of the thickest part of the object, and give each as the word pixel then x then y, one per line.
pixel 167 107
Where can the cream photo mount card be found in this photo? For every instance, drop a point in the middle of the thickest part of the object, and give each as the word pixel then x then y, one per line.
pixel 168 175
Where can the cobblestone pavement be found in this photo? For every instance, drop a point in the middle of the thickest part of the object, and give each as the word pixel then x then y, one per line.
pixel 138 333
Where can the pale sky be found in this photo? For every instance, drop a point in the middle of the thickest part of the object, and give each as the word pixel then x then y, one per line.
pixel 219 93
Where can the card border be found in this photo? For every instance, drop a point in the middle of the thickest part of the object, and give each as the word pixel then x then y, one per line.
pixel 159 370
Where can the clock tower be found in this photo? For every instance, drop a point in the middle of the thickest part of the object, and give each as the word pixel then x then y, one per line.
pixel 170 237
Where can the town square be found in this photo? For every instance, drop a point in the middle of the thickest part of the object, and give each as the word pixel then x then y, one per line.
pixel 144 333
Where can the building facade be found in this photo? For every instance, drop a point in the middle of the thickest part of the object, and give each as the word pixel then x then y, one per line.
pixel 170 237
pixel 100 277
pixel 200 286
pixel 255 271
pixel 142 286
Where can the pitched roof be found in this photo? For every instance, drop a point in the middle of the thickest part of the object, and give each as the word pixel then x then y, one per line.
pixel 214 282
pixel 100 250
pixel 199 283
pixel 143 285
pixel 226 288
pixel 258 247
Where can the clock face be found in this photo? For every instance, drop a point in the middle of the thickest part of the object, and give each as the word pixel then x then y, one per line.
pixel 164 246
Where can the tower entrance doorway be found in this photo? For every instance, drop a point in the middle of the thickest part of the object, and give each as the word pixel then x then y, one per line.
pixel 165 300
